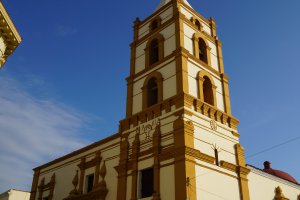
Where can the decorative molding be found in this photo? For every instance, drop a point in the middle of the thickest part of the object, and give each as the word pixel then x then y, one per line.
pixel 213 125
pixel 200 156
pixel 99 190
pixel 179 101
pixel 236 134
pixel 228 166
pixel 45 187
pixel 75 181
pixel 92 163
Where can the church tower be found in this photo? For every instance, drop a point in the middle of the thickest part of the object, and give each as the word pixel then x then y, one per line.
pixel 179 139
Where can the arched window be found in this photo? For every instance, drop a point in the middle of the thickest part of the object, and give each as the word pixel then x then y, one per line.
pixel 208 92
pixel 197 23
pixel 202 50
pixel 152 91
pixel 153 51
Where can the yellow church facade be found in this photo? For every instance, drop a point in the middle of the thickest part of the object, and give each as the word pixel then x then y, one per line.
pixel 179 140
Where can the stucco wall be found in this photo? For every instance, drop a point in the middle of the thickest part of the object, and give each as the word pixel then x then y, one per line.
pixel 213 185
pixel 15 195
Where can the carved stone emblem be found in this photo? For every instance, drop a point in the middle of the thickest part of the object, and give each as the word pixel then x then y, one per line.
pixel 146 130
pixel 213 125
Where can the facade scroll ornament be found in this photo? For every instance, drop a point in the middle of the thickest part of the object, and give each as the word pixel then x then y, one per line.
pixel 99 190
pixel 47 187
pixel 279 195
pixel 75 183
pixel 101 186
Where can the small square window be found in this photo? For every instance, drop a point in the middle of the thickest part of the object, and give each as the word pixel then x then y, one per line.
pixel 89 182
pixel 146 183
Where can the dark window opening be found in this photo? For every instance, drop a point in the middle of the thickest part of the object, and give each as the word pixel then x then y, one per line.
pixel 89 182
pixel 45 198
pixel 208 91
pixel 197 23
pixel 153 52
pixel 202 50
pixel 152 92
pixel 147 183
pixel 154 24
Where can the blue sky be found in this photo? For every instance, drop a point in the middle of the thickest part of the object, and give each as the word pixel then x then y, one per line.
pixel 64 87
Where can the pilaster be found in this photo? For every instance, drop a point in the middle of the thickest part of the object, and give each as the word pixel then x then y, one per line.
pixel 35 183
pixel 242 172
pixel 135 160
pixel 184 164
pixel 122 170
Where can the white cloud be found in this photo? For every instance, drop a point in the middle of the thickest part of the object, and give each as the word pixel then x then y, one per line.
pixel 32 131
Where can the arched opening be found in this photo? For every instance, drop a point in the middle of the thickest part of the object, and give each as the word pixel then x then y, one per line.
pixel 153 51
pixel 197 23
pixel 208 91
pixel 154 24
pixel 202 50
pixel 152 92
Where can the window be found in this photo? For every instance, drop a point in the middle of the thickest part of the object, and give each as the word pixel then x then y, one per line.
pixel 153 52
pixel 202 50
pixel 208 91
pixel 45 198
pixel 197 23
pixel 146 184
pixel 89 182
pixel 152 91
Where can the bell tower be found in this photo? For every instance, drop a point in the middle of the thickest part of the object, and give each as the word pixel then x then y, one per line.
pixel 179 135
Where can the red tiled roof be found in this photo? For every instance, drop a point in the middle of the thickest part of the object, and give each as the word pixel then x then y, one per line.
pixel 268 169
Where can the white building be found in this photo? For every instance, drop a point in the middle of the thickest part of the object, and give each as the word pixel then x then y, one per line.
pixel 179 139
pixel 13 194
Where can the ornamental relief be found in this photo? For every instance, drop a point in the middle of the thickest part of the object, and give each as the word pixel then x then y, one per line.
pixel 213 125
pixel 146 130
